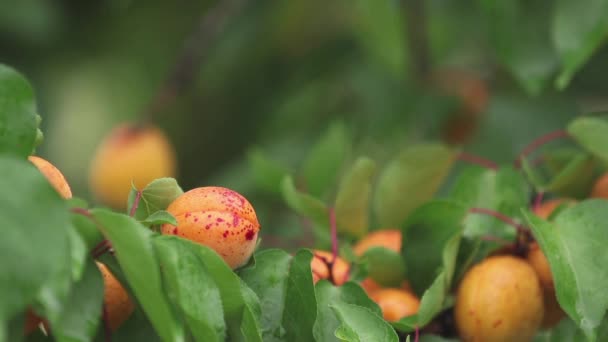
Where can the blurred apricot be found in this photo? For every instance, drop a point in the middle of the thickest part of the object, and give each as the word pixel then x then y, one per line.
pixel 219 218
pixel 54 176
pixel 340 270
pixel 600 188
pixel 396 303
pixel 499 299
pixel 540 264
pixel 387 238
pixel 129 155
pixel 546 208
pixel 117 304
pixel 370 286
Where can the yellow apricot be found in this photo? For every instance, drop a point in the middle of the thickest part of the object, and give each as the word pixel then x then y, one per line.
pixel 499 299
pixel 387 238
pixel 320 268
pixel 396 303
pixel 54 176
pixel 129 155
pixel 600 188
pixel 219 218
pixel 116 302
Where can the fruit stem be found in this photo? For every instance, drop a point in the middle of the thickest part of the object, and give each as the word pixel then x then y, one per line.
pixel 135 203
pixel 476 160
pixel 417 334
pixel 334 233
pixel 538 142
pixel 502 217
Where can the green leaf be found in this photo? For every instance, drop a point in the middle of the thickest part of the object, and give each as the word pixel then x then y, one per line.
pixel 18 122
pixel 87 231
pixel 268 279
pixel 385 266
pixel 154 197
pixel 352 200
pixel 302 203
pixel 229 285
pixel 36 223
pixel 574 245
pixel 504 191
pixel 425 235
pixel 327 295
pixel 325 159
pixel 592 134
pixel 576 178
pixel 192 289
pixel 300 302
pixel 380 31
pixel 361 324
pixel 160 217
pixel 579 29
pixel 81 313
pixel 129 238
pixel 267 173
pixel 409 181
pixel 520 35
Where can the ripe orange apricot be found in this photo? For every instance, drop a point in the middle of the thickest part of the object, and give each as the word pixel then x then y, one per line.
pixel 370 286
pixel 548 207
pixel 116 301
pixel 396 303
pixel 219 218
pixel 320 270
pixel 129 155
pixel 538 261
pixel 499 299
pixel 54 176
pixel 387 238
pixel 600 188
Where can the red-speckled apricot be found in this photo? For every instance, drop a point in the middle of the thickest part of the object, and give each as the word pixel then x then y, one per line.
pixel 499 300
pixel 54 176
pixel 129 155
pixel 396 303
pixel 320 269
pixel 219 218
pixel 116 301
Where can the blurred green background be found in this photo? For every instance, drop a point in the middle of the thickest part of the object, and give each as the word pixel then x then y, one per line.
pixel 281 72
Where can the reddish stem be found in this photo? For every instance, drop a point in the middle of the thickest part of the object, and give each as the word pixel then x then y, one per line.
pixel 334 233
pixel 538 200
pixel 135 203
pixel 495 239
pixel 106 324
pixel 417 334
pixel 100 247
pixel 477 160
pixel 504 218
pixel 531 147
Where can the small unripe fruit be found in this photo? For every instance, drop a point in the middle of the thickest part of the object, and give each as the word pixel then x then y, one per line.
pixel 387 238
pixel 499 299
pixel 219 218
pixel 600 188
pixel 320 270
pixel 54 176
pixel 116 302
pixel 396 303
pixel 129 155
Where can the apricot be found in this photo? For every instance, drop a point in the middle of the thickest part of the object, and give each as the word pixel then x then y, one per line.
pixel 129 155
pixel 387 238
pixel 116 302
pixel 340 270
pixel 538 261
pixel 370 286
pixel 499 299
pixel 54 176
pixel 396 303
pixel 600 188
pixel 546 208
pixel 219 218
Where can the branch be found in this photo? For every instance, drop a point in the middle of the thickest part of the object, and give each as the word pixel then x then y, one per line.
pixel 182 73
pixel 417 38
pixel 534 145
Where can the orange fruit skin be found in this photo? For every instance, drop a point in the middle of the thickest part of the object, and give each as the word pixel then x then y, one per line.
pixel 546 208
pixel 600 188
pixel 320 269
pixel 387 238
pixel 499 299
pixel 396 303
pixel 54 176
pixel 116 302
pixel 538 261
pixel 129 155
pixel 370 286
pixel 219 218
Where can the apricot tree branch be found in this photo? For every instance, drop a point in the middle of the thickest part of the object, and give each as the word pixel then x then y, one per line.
pixel 534 145
pixel 500 216
pixel 182 73
pixel 473 159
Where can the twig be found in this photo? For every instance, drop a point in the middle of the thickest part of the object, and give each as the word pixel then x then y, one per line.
pixel 473 159
pixel 502 217
pixel 539 142
pixel 417 38
pixel 135 203
pixel 182 74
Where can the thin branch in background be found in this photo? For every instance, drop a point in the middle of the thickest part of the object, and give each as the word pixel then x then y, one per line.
pixel 417 38
pixel 534 145
pixel 477 160
pixel 183 72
